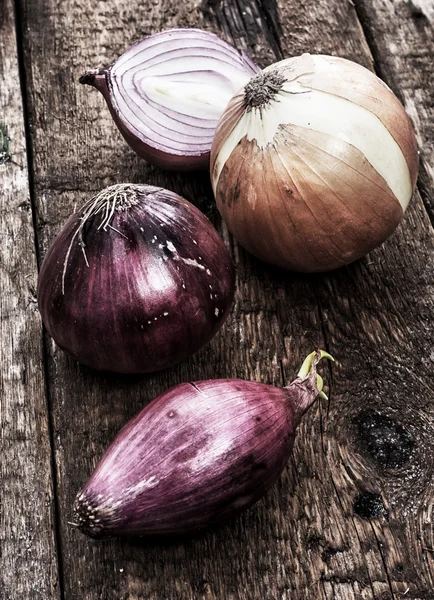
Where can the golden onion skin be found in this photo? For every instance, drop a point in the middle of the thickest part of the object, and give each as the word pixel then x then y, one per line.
pixel 313 163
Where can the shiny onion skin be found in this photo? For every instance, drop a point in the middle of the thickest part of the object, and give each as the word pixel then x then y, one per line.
pixel 136 281
pixel 167 92
pixel 197 454
pixel 313 163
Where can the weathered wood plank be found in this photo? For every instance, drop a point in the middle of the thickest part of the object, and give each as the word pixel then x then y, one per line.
pixel 401 34
pixel 304 541
pixel 378 315
pixel 382 420
pixel 28 560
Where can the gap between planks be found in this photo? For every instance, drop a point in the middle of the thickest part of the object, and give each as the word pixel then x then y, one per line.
pixel 18 11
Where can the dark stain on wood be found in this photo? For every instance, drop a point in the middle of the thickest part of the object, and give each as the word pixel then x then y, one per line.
pixel 329 551
pixel 4 145
pixel 369 505
pixel 417 11
pixel 387 442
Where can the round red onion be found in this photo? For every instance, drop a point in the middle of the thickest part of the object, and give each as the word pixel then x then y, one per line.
pixel 168 91
pixel 136 281
pixel 197 454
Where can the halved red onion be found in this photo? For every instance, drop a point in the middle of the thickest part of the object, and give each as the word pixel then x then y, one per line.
pixel 168 91
pixel 136 281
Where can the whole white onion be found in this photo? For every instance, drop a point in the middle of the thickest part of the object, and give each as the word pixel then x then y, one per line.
pixel 313 163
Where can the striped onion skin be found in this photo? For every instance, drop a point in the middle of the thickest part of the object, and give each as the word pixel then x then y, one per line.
pixel 167 92
pixel 197 454
pixel 136 281
pixel 314 163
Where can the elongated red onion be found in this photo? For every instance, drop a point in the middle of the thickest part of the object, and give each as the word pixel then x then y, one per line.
pixel 197 454
pixel 136 281
pixel 168 91
pixel 313 163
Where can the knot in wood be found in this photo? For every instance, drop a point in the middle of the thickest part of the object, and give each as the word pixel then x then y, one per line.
pixel 388 442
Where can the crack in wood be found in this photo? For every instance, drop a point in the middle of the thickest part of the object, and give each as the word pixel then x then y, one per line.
pixel 270 10
pixel 384 562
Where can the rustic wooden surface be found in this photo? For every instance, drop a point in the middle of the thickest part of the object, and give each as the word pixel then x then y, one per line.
pixel 28 562
pixel 352 516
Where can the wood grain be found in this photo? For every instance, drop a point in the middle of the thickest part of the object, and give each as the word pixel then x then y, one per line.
pixel 352 516
pixel 402 41
pixel 28 560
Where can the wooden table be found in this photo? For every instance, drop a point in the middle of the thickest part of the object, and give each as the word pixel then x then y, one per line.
pixel 352 516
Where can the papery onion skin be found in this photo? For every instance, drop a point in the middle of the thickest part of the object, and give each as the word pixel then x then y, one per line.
pixel 142 293
pixel 197 454
pixel 304 198
pixel 172 137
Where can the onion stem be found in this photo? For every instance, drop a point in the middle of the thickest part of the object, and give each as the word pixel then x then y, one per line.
pixel 311 360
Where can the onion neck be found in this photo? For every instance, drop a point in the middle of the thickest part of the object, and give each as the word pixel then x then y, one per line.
pixel 115 198
pixel 308 384
pixel 262 89
pixel 96 78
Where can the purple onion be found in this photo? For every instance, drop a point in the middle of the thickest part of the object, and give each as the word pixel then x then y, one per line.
pixel 168 92
pixel 136 281
pixel 197 454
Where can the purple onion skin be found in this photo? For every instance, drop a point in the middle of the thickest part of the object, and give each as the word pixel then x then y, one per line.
pixel 198 454
pixel 158 286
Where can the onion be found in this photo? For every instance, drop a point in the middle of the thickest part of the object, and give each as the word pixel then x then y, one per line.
pixel 167 93
pixel 313 163
pixel 136 281
pixel 197 454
